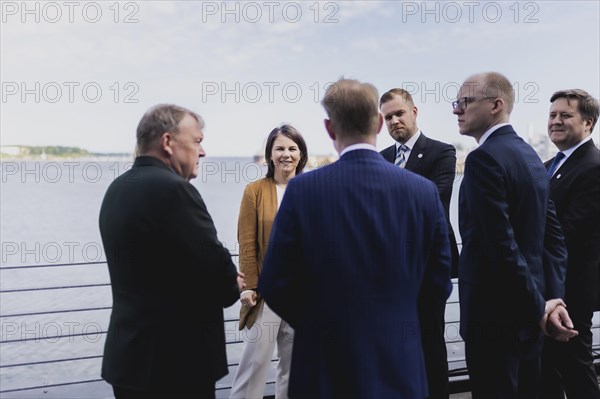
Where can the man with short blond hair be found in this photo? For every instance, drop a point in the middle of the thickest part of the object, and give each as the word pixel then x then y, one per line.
pixel 350 270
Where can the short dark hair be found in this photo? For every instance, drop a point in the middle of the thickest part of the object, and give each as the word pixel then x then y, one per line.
pixel 159 119
pixel 293 134
pixel 586 104
pixel 389 95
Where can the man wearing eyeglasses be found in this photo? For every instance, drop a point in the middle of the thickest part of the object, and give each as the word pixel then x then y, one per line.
pixel 437 162
pixel 512 264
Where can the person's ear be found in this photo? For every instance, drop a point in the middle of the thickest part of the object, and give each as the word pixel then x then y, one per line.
pixel 499 105
pixel 166 143
pixel 329 127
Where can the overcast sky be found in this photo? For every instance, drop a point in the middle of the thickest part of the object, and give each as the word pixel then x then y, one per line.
pixel 83 73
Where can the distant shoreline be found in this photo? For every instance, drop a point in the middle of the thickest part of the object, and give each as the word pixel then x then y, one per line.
pixel 87 157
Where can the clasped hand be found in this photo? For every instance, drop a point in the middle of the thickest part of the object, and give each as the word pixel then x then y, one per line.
pixel 248 298
pixel 556 322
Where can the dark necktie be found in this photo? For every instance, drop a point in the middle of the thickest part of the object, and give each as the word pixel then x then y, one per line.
pixel 400 156
pixel 559 156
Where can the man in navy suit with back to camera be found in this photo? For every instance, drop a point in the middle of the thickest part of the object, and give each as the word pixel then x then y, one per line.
pixel 512 264
pixel 567 367
pixel 437 162
pixel 349 269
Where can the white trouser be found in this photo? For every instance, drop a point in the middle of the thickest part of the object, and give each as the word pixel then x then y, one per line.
pixel 259 342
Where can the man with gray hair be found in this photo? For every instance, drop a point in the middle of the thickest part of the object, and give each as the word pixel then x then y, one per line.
pixel 170 275
pixel 350 270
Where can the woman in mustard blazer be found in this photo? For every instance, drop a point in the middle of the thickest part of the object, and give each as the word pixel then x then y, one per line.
pixel 286 156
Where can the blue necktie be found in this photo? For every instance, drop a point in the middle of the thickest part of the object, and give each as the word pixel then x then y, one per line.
pixel 559 156
pixel 400 156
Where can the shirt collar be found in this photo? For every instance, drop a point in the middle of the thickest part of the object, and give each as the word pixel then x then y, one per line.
pixel 491 130
pixel 358 146
pixel 571 150
pixel 411 142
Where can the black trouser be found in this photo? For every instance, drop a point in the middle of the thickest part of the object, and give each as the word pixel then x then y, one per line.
pixel 567 367
pixel 504 366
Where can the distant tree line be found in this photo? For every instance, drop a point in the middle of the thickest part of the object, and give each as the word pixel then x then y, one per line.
pixel 55 150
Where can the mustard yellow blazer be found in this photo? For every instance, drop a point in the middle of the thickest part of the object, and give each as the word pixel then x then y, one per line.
pixel 257 213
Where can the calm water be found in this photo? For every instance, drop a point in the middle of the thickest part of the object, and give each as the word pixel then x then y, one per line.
pixel 49 213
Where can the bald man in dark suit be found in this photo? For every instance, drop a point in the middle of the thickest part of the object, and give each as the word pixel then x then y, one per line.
pixel 510 289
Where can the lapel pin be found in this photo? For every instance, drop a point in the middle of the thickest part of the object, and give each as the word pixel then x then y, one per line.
pixel 558 176
pixel 420 156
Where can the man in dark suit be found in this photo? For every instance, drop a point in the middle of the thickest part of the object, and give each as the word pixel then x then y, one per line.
pixel 348 268
pixel 419 154
pixel 170 275
pixel 437 162
pixel 508 288
pixel 567 367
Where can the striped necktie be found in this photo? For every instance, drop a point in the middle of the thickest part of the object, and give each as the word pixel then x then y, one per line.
pixel 559 156
pixel 400 159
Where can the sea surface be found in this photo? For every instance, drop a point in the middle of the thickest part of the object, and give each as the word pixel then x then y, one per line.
pixel 49 216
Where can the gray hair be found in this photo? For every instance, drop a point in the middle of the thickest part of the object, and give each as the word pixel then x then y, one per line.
pixel 160 119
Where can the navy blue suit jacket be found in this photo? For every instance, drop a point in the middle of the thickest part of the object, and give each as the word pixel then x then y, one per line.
pixel 506 221
pixel 347 268
pixel 437 162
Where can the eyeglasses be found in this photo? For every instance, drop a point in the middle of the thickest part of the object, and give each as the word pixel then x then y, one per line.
pixel 464 101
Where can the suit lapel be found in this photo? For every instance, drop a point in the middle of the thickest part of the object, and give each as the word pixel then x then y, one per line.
pixel 416 153
pixel 569 164
pixel 389 154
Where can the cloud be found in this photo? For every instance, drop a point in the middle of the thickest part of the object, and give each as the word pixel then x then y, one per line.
pixel 173 48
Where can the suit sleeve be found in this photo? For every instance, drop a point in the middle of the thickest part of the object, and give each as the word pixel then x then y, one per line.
pixel 555 256
pixel 247 237
pixel 489 192
pixel 280 279
pixel 437 286
pixel 193 225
